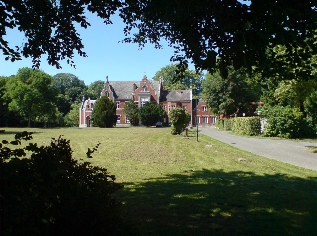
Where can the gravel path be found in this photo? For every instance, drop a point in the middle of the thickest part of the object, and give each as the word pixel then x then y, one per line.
pixel 288 151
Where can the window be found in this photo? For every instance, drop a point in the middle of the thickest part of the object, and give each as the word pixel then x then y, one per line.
pixel 118 119
pixel 143 101
pixel 205 108
pixel 205 119
pixel 118 105
pixel 214 119
pixel 144 88
pixel 184 107
pixel 127 120
pixel 174 106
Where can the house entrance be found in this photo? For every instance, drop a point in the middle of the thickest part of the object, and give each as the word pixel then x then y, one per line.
pixel 88 123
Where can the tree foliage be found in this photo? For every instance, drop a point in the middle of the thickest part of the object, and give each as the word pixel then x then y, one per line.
pixel 51 192
pixel 232 94
pixel 179 120
pixel 31 93
pixel 49 27
pixel 237 32
pixel 72 117
pixel 71 89
pixel 104 113
pixel 132 111
pixel 151 113
pixel 170 76
pixel 94 89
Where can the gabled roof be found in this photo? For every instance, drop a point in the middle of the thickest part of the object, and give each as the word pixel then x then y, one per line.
pixel 176 95
pixel 122 89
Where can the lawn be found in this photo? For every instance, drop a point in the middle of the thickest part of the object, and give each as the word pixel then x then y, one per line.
pixel 177 186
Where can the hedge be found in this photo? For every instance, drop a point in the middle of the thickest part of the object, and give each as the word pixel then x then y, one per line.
pixel 246 125
pixel 224 124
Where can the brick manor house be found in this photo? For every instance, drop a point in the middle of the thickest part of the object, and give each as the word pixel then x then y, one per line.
pixel 144 91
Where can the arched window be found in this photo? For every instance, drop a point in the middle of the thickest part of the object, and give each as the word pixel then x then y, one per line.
pixel 144 88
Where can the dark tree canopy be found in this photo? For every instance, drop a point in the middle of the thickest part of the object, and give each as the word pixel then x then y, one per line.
pixel 104 115
pixel 235 31
pixel 132 111
pixel 151 113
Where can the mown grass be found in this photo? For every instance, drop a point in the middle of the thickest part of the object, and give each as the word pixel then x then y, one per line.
pixel 177 186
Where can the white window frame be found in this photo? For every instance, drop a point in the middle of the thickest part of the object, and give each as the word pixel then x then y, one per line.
pixel 205 119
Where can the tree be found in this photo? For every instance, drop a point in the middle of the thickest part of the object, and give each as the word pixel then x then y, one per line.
pixel 237 32
pixel 179 119
pixel 151 113
pixel 289 86
pixel 232 94
pixel 72 117
pixel 170 76
pixel 104 113
pixel 131 110
pixel 32 94
pixel 94 89
pixel 71 89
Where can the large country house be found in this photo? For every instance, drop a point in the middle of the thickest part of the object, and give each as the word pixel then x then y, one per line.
pixel 144 91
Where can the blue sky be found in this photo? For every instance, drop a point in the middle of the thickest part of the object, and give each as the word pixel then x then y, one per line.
pixel 106 56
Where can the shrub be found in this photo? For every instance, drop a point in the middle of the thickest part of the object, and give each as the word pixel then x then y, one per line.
pixel 220 123
pixel 246 125
pixel 51 193
pixel 285 122
pixel 227 124
pixel 151 113
pixel 131 110
pixel 224 124
pixel 179 120
pixel 104 114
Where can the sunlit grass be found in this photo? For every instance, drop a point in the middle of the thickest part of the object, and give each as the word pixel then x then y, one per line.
pixel 176 186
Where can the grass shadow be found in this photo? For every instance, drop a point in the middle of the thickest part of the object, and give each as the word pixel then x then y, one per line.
pixel 211 202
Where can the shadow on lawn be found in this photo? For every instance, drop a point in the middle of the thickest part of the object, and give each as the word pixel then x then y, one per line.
pixel 216 202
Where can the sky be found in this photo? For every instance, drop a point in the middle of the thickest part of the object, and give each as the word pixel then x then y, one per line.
pixel 106 55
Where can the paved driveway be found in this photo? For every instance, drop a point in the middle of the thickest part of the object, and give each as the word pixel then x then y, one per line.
pixel 288 151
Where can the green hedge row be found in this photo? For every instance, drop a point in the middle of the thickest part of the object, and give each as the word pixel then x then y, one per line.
pixel 241 125
pixel 224 124
pixel 246 126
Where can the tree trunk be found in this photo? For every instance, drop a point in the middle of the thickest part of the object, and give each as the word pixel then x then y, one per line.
pixel 29 121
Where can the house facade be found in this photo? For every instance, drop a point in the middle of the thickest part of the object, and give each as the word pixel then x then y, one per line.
pixel 144 91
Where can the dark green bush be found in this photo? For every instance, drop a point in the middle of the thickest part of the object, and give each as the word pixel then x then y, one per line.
pixel 104 115
pixel 151 113
pixel 51 193
pixel 246 125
